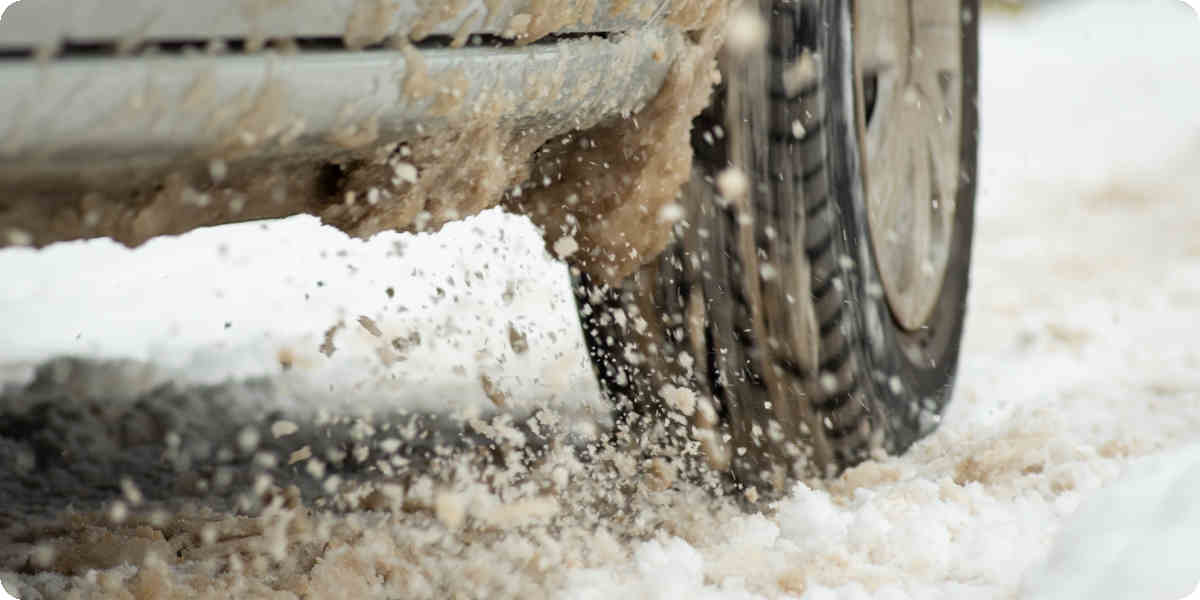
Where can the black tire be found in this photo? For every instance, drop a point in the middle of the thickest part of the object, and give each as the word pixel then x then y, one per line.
pixel 788 407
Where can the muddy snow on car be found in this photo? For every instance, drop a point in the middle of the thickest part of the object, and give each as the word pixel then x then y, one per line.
pixel 276 410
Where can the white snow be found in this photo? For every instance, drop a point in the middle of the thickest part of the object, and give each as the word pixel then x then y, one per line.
pixel 1067 466
pixel 239 301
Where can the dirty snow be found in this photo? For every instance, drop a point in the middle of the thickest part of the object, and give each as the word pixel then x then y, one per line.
pixel 1067 466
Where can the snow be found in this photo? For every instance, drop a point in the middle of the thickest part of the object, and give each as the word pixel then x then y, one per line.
pixel 1066 467
pixel 240 301
pixel 1135 538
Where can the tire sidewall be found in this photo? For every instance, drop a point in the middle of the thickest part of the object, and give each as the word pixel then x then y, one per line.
pixel 911 373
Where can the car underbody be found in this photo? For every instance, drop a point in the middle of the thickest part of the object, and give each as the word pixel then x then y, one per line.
pixel 134 128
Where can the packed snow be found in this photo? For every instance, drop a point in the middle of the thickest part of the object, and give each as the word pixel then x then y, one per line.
pixel 1068 465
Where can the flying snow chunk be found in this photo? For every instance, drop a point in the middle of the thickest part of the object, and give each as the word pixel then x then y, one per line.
pixel 217 170
pixel 680 399
pixel 800 74
pixel 304 453
pixel 829 383
pixel 746 32
pixel 247 439
pixel 405 172
pixel 732 183
pixel 798 130
pixel 283 428
pixel 565 246
pixel 450 509
pixel 17 237
pixel 670 213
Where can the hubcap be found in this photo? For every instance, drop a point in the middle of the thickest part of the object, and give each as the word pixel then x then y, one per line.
pixel 908 57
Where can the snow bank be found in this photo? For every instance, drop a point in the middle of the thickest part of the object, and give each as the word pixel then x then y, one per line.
pixel 284 300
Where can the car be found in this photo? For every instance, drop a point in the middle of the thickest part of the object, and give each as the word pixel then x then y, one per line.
pixel 769 203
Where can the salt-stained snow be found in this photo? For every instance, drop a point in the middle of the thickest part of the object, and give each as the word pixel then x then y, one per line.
pixel 1066 467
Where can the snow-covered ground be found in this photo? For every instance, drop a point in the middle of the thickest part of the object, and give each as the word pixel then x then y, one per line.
pixel 1068 465
pixel 258 300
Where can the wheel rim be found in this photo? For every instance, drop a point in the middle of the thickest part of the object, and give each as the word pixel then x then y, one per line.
pixel 908 57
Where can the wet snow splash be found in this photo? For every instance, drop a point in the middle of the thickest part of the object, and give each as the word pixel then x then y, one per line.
pixel 438 420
